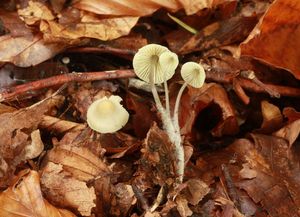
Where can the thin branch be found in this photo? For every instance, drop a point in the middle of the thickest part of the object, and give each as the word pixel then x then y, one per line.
pixel 252 86
pixel 12 92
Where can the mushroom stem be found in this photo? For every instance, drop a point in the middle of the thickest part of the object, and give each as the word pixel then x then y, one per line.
pixel 176 108
pixel 167 98
pixel 155 95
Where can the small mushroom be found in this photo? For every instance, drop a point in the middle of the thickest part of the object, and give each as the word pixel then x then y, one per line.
pixel 107 115
pixel 193 74
pixel 168 62
pixel 147 66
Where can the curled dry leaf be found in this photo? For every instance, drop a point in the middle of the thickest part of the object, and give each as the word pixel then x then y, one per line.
pixel 272 117
pixel 24 198
pixel 143 7
pixel 273 44
pixel 291 130
pixel 64 190
pixel 195 100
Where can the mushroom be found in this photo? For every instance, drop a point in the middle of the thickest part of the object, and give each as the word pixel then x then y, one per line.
pixel 107 115
pixel 193 74
pixel 146 64
pixel 156 64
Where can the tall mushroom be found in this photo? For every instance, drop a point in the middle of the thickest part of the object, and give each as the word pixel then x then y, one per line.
pixel 155 64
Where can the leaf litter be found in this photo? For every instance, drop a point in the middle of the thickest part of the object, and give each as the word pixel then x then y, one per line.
pixel 240 130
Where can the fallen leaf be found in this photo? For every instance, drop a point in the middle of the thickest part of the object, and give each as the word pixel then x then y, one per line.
pixel 139 8
pixel 195 100
pixel 123 200
pixel 35 11
pixel 27 51
pixel 24 198
pixel 195 191
pixel 16 145
pixel 15 26
pixel 182 207
pixel 276 38
pixel 142 111
pixel 290 132
pixel 232 30
pixel 247 172
pixel 90 26
pixel 157 163
pixel 79 161
pixel 65 191
pixel 272 117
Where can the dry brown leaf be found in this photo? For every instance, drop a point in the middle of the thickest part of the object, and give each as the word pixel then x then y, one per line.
pixel 79 161
pixel 272 117
pixel 64 190
pixel 17 146
pixel 196 190
pixel 289 132
pixel 183 207
pixel 90 26
pixel 15 26
pixel 24 198
pixel 247 172
pixel 27 51
pixel 36 147
pixel 34 12
pixel 275 40
pixel 157 163
pixel 195 100
pixel 144 7
pixel 124 199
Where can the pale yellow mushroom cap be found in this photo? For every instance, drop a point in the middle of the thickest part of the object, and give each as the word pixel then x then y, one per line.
pixel 107 115
pixel 147 60
pixel 193 74
pixel 168 62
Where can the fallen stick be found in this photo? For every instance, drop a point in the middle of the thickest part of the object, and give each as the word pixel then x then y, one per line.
pixel 12 92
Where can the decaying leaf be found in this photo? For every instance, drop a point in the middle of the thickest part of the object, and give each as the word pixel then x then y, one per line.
pixel 195 100
pixel 143 7
pixel 182 207
pixel 276 38
pixel 24 198
pixel 79 161
pixel 27 51
pixel 16 145
pixel 66 191
pixel 195 191
pixel 272 118
pixel 158 161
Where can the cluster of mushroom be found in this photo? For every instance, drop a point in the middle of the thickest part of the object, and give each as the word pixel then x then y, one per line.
pixel 155 64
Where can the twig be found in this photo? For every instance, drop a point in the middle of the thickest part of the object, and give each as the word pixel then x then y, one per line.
pixel 252 86
pixel 103 49
pixel 12 92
